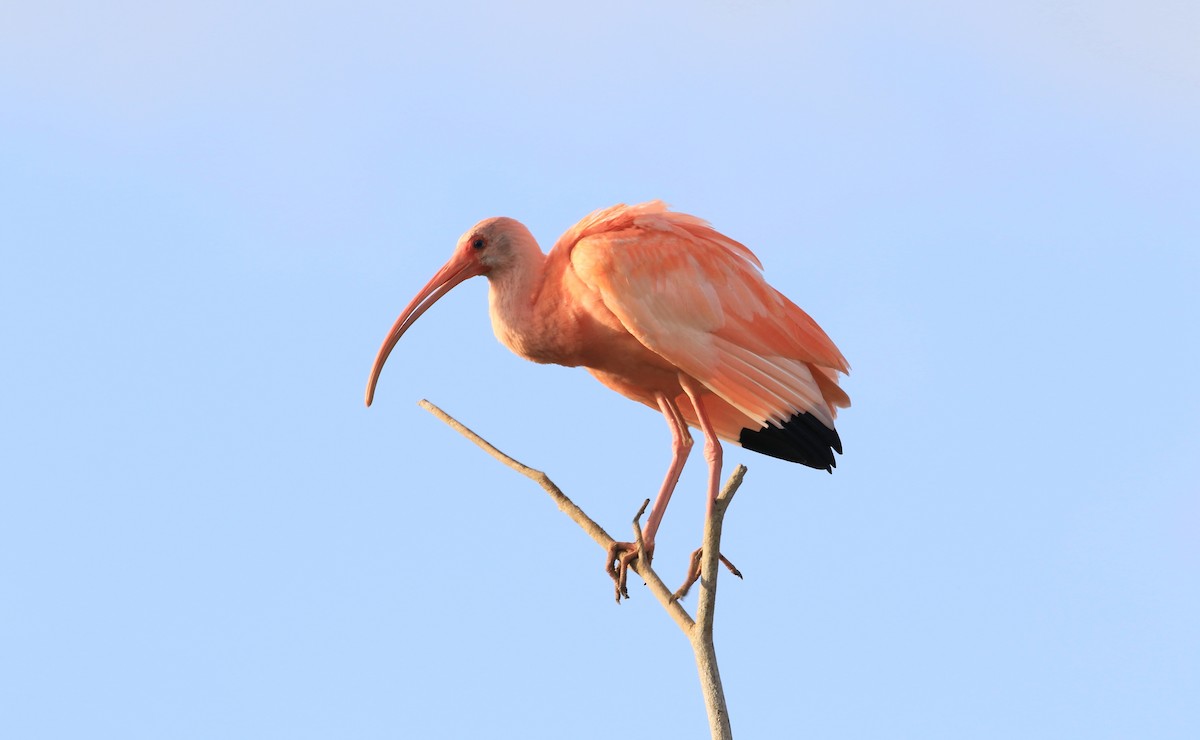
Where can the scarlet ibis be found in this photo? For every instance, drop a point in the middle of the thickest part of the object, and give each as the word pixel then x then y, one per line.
pixel 665 310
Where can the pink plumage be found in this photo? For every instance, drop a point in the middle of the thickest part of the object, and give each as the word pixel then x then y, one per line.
pixel 667 311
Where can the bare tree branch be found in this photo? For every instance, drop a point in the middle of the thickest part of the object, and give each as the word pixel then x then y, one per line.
pixel 701 634
pixel 698 631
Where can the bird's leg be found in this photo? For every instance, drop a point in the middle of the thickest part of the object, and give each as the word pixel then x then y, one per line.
pixel 712 453
pixel 621 554
pixel 681 447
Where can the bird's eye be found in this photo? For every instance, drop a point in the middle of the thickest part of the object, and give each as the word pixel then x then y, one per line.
pixel 478 243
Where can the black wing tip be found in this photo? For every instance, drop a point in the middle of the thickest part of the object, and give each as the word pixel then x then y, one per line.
pixel 802 439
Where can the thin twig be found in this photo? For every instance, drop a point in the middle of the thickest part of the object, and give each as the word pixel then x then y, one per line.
pixel 566 505
pixel 637 532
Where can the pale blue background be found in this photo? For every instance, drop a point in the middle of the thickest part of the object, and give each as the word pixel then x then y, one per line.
pixel 211 215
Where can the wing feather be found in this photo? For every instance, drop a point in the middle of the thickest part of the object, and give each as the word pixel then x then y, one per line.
pixel 698 299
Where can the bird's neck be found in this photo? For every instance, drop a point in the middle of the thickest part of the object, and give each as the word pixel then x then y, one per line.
pixel 519 316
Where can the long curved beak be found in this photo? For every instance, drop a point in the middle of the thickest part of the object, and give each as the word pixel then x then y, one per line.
pixel 461 266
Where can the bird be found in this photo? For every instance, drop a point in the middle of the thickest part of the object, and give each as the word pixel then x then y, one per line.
pixel 662 308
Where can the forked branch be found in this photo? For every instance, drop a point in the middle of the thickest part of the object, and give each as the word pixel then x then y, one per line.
pixel 699 631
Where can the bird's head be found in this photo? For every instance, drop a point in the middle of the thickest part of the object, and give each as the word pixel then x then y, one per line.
pixel 495 244
pixel 491 247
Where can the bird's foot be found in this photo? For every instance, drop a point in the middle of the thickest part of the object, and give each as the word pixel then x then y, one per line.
pixel 693 573
pixel 620 556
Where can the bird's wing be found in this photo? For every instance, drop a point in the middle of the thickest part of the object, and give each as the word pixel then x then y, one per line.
pixel 697 298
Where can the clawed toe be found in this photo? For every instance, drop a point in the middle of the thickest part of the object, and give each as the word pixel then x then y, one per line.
pixel 693 573
pixel 620 556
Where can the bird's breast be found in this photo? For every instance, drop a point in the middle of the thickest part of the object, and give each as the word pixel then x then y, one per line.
pixel 532 332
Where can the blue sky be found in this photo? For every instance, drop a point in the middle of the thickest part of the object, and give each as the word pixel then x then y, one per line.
pixel 210 216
